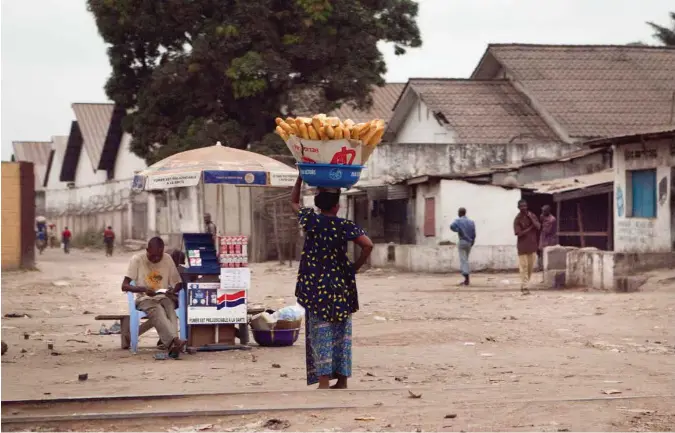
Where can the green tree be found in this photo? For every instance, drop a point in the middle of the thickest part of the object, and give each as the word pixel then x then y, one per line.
pixel 192 72
pixel 666 35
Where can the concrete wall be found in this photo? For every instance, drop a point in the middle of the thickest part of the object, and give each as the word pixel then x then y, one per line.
pixel 181 210
pixel 106 193
pixel 230 208
pixel 439 259
pixel 492 208
pixel 608 270
pixel 643 234
pixel 590 267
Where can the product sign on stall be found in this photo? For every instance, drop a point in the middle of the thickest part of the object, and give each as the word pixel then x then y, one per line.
pixel 209 304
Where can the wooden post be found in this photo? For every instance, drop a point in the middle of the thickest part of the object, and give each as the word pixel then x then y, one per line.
pixel 558 211
pixel 276 232
pixel 581 225
pixel 610 229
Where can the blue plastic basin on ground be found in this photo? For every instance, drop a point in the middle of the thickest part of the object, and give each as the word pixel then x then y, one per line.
pixel 330 175
pixel 276 337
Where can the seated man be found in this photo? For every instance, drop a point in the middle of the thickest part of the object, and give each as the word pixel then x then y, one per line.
pixel 157 281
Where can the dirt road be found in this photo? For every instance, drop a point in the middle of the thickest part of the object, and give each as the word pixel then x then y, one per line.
pixel 495 359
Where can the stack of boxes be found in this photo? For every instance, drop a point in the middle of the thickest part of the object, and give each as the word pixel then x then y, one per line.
pixel 233 252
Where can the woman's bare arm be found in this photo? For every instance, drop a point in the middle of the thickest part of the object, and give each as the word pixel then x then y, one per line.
pixel 366 248
pixel 295 194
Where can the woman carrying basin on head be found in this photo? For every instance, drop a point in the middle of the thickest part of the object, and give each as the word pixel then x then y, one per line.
pixel 326 286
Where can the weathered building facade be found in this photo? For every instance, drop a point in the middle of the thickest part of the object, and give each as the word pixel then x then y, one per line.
pixel 643 214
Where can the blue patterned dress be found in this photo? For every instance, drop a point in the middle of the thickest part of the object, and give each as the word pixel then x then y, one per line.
pixel 326 288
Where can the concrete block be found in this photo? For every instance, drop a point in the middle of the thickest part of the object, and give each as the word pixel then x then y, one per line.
pixel 628 284
pixel 555 257
pixel 554 279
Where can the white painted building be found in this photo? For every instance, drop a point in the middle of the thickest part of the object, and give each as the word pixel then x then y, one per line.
pixel 436 202
pixel 644 176
pixel 90 176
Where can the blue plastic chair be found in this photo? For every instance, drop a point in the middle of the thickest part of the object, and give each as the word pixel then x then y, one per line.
pixel 135 317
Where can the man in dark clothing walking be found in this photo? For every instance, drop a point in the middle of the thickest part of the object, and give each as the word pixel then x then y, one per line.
pixel 466 231
pixel 549 233
pixel 526 227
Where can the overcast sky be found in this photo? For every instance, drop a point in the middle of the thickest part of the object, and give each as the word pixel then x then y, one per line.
pixel 53 56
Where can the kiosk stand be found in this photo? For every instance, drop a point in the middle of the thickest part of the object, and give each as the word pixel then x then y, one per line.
pixel 217 291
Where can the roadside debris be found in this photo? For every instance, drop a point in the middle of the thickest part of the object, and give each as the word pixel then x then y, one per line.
pixel 18 315
pixel 276 424
pixel 83 377
pixel 413 395
pixel 116 328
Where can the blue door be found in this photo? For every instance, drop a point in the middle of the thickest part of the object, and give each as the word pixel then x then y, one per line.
pixel 643 188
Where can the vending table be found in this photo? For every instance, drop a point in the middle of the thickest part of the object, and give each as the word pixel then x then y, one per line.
pixel 217 290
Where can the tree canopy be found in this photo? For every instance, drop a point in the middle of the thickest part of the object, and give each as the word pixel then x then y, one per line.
pixel 666 35
pixel 192 72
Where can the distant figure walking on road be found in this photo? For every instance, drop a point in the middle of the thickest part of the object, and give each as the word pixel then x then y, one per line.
pixel 526 227
pixel 549 233
pixel 109 241
pixel 466 231
pixel 65 239
pixel 53 236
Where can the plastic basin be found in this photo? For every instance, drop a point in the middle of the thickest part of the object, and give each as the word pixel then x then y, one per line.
pixel 329 175
pixel 276 337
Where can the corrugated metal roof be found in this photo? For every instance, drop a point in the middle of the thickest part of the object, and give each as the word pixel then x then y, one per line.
pixel 94 121
pixel 36 152
pixel 571 183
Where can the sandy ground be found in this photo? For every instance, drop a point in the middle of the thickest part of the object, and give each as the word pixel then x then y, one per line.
pixel 495 359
